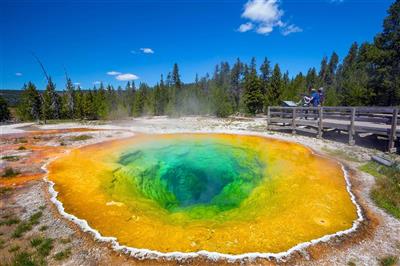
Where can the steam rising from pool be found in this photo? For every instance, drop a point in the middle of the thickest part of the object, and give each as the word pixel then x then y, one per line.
pixel 222 193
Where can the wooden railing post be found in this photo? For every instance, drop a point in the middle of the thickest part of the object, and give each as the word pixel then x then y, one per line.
pixel 351 126
pixel 268 117
pixel 320 124
pixel 294 120
pixel 393 131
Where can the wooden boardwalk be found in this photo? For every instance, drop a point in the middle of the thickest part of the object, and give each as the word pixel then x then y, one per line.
pixel 380 121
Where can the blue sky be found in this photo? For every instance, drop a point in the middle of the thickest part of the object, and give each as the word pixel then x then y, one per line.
pixel 114 41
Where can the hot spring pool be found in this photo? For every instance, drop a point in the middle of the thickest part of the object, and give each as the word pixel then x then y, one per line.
pixel 223 193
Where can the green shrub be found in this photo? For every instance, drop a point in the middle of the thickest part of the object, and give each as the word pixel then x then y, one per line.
pixel 14 248
pixel 81 138
pixel 23 259
pixel 24 227
pixel 62 255
pixel 34 219
pixel 5 190
pixel 9 172
pixel 11 158
pixel 45 247
pixel 21 229
pixel 43 228
pixel 10 221
pixel 386 192
pixel 36 241
pixel 388 261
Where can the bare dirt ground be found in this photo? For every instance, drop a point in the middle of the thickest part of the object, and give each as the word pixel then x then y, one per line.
pixel 27 147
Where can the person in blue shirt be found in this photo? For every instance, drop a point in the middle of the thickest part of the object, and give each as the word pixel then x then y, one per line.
pixel 315 98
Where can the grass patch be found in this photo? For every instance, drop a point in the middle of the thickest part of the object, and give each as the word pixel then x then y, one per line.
pixel 388 261
pixel 62 255
pixel 342 154
pixel 10 221
pixel 36 241
pixel 386 192
pixel 9 172
pixel 11 158
pixel 21 229
pixel 21 140
pixel 45 247
pixel 24 227
pixel 2 242
pixel 43 228
pixel 81 138
pixel 34 219
pixel 59 121
pixel 23 259
pixel 5 190
pixel 21 148
pixel 65 240
pixel 14 248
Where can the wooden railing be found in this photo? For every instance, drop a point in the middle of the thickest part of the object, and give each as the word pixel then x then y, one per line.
pixel 382 121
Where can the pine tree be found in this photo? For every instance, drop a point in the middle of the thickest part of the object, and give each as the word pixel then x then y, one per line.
pixel 176 78
pixel 100 103
pixel 176 99
pixel 386 58
pixel 236 83
pixel 51 102
pixel 332 67
pixel 140 99
pixel 285 86
pixel 88 106
pixel 221 104
pixel 78 110
pixel 29 107
pixel 70 99
pixel 276 90
pixel 312 78
pixel 323 72
pixel 296 88
pixel 4 111
pixel 253 96
pixel 354 79
pixel 265 75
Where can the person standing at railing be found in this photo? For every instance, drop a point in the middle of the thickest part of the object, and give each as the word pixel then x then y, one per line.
pixel 305 101
pixel 321 96
pixel 315 98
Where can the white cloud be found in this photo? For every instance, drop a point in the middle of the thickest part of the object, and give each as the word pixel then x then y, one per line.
pixel 126 77
pixel 264 16
pixel 264 11
pixel 77 84
pixel 113 73
pixel 246 27
pixel 97 82
pixel 264 29
pixel 291 29
pixel 147 50
pixel 18 74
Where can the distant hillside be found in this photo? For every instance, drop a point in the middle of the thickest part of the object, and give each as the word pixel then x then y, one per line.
pixel 11 96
